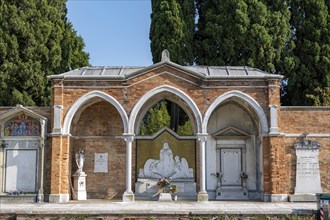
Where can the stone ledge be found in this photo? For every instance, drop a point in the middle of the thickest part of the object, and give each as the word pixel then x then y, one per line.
pixel 303 198
pixel 58 198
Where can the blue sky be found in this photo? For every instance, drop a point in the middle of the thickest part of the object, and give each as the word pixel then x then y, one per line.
pixel 116 32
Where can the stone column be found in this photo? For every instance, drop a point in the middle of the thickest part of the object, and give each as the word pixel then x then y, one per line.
pixel 128 194
pixel 40 197
pixel 202 195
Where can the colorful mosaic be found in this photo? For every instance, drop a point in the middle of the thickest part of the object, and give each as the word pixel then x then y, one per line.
pixel 22 125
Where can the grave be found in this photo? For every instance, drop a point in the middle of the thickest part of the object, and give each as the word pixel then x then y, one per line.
pixel 307 171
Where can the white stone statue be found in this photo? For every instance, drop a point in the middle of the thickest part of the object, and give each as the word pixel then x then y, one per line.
pixel 80 159
pixel 166 166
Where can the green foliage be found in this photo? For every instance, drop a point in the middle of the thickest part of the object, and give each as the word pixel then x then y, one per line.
pixel 34 36
pixel 311 73
pixel 188 15
pixel 185 129
pixel 321 97
pixel 242 32
pixel 168 31
pixel 156 118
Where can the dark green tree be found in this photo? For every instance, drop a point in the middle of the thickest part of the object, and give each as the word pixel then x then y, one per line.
pixel 188 14
pixel 156 118
pixel 236 33
pixel 34 43
pixel 160 115
pixel 167 30
pixel 310 78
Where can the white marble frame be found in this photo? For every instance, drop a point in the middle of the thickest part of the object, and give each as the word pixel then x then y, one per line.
pixel 172 90
pixel 40 150
pixel 244 97
pixel 85 99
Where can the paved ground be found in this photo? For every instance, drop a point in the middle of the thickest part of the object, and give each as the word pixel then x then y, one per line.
pixel 98 207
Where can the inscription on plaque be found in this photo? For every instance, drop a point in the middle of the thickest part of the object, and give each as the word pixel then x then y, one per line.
pixel 100 162
pixel 307 170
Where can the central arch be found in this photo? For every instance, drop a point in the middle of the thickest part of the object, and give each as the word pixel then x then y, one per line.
pixel 154 92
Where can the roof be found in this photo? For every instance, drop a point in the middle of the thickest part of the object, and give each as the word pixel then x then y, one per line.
pixel 125 72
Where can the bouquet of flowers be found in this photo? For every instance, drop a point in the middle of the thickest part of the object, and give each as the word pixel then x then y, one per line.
pixel 165 186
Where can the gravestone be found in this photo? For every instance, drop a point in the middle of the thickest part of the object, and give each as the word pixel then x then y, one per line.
pixel 307 171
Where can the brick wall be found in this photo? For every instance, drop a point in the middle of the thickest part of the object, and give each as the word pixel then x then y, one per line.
pixel 97 131
pixel 316 122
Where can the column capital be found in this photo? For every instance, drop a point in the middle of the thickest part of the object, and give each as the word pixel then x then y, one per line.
pixel 202 137
pixel 128 137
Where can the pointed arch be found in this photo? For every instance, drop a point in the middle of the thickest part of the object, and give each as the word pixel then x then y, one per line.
pixel 246 98
pixel 170 89
pixel 85 99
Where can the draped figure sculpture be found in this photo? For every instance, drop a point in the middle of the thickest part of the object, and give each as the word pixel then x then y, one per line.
pixel 80 159
pixel 166 166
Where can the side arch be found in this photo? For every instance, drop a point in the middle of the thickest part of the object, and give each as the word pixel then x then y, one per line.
pixel 86 98
pixel 236 94
pixel 170 89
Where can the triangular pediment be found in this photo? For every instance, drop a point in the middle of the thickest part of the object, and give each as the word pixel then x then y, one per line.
pixel 18 110
pixel 230 132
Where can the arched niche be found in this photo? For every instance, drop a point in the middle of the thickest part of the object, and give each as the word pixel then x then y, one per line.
pixel 234 146
pixel 22 152
pixel 97 128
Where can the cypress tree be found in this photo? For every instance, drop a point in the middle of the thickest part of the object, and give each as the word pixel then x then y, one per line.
pixel 167 30
pixel 188 13
pixel 235 33
pixel 309 82
pixel 31 48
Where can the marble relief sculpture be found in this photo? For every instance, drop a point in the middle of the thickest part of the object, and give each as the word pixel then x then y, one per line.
pixel 166 166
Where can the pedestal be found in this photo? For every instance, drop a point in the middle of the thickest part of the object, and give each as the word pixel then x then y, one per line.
pixel 79 186
pixel 165 197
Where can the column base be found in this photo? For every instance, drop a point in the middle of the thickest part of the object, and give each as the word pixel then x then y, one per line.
pixel 40 198
pixel 58 198
pixel 128 197
pixel 202 197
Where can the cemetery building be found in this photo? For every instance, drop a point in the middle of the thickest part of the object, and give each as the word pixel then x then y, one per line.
pixel 89 145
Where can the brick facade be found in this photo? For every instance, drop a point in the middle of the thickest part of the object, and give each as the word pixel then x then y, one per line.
pixel 97 126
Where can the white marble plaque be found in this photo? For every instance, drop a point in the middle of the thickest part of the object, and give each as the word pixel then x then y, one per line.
pixel 21 168
pixel 100 162
pixel 307 169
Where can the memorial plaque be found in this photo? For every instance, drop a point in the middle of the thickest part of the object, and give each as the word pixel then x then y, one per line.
pixel 100 162
pixel 307 169
pixel 21 168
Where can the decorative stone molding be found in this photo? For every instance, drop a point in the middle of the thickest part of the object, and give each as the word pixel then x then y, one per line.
pixel 86 98
pixel 145 98
pixel 236 94
pixel 307 145
pixel 273 119
pixel 57 127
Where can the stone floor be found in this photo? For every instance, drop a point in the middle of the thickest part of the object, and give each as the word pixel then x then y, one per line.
pixel 147 208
